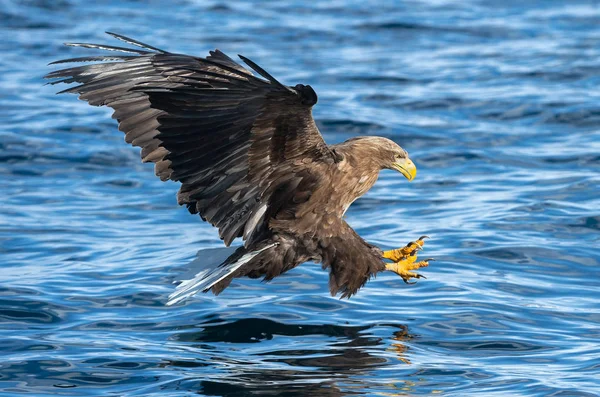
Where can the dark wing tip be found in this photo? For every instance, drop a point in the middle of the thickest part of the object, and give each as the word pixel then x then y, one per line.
pixel 136 43
pixel 262 72
pixel 307 95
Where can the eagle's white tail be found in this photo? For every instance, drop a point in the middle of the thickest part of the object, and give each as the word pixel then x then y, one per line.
pixel 208 269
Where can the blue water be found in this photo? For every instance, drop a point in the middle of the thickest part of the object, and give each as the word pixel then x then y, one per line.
pixel 497 103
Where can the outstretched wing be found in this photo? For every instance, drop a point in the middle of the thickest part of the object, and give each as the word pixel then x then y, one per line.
pixel 233 140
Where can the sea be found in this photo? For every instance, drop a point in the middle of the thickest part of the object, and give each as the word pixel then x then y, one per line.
pixel 497 103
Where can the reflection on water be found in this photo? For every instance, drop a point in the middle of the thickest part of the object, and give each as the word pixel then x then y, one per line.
pixel 278 358
pixel 497 103
pixel 399 345
pixel 311 367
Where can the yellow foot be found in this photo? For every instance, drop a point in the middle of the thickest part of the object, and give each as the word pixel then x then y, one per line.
pixel 409 250
pixel 403 269
pixel 405 260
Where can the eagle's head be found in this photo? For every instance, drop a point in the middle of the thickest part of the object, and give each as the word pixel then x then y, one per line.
pixel 383 153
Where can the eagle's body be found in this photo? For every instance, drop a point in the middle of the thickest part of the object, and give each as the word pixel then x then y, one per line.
pixel 249 157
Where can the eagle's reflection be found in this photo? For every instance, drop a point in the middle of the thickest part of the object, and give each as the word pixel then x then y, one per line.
pixel 250 360
pixel 399 345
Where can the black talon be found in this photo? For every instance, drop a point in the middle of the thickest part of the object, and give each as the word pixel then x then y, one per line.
pixel 429 260
pixel 414 243
pixel 423 237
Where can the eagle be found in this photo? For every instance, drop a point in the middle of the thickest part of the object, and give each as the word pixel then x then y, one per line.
pixel 250 160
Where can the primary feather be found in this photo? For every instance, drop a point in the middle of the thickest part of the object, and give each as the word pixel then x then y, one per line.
pixel 197 119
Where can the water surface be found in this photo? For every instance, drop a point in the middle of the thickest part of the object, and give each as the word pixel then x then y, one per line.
pixel 497 103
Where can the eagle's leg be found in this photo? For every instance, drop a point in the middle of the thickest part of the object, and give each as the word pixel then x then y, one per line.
pixel 405 259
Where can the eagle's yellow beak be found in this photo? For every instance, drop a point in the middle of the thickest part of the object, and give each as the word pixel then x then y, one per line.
pixel 406 167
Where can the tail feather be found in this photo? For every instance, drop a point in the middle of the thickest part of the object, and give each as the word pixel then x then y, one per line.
pixel 210 271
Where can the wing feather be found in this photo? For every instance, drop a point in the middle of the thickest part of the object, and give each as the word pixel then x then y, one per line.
pixel 228 136
pixel 134 42
pixel 106 47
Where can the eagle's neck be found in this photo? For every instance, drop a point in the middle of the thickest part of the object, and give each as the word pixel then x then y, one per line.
pixel 354 175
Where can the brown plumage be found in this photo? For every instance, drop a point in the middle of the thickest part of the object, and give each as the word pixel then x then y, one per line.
pixel 249 157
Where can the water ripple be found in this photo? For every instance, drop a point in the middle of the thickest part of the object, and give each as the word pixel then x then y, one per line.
pixel 497 103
